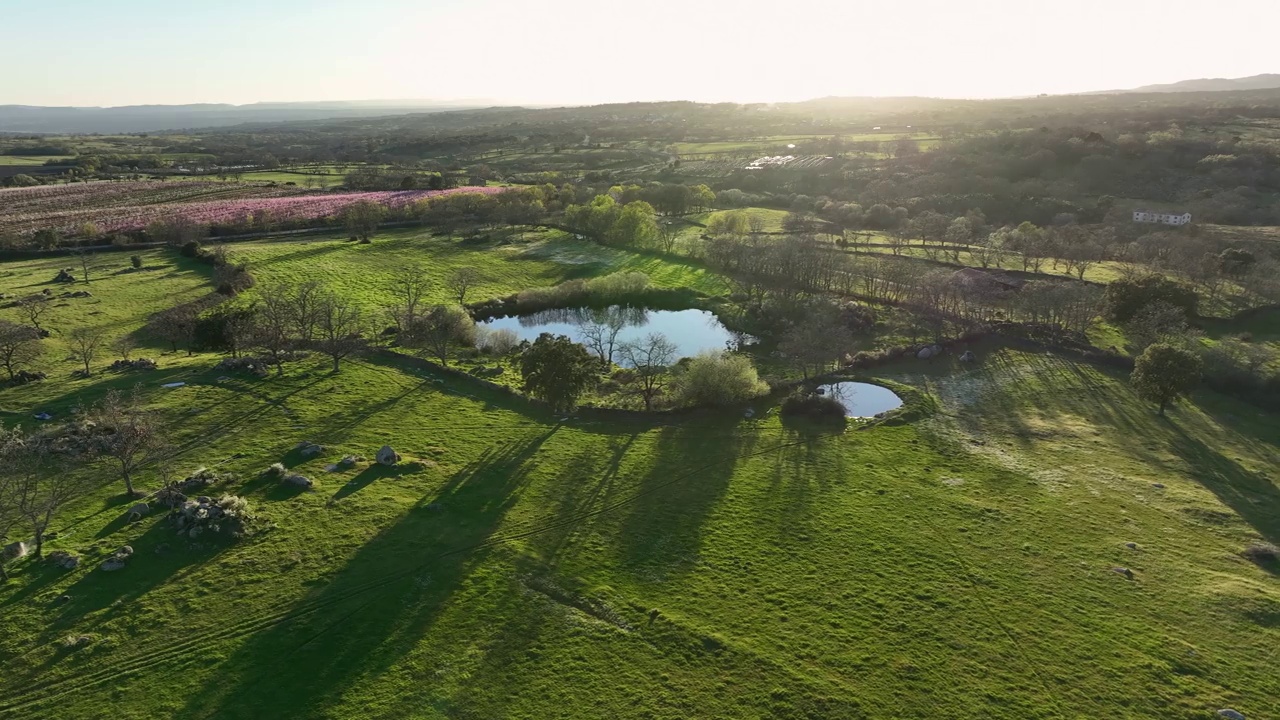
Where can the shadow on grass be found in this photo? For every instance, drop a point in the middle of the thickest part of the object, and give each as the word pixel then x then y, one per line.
pixel 367 476
pixel 1252 496
pixel 378 606
pixel 662 532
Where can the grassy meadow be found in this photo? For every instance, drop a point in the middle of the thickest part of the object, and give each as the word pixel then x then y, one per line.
pixel 531 566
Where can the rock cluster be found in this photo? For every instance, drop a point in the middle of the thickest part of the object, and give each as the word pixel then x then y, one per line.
pixel 64 559
pixel 65 275
pixel 309 449
pixel 139 364
pixel 118 560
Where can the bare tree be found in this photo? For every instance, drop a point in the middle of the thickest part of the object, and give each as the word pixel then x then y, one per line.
pixel 304 305
pixel 175 325
pixel 19 346
pixel 85 257
pixel 650 359
pixel 409 287
pixel 86 343
pixel 461 281
pixel 338 328
pixel 274 324
pixel 131 435
pixel 39 483
pixel 601 328
pixel 33 309
pixel 124 346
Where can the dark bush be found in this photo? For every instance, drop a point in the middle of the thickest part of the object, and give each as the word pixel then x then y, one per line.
pixel 813 406
pixel 136 261
pixel 1126 297
pixel 191 249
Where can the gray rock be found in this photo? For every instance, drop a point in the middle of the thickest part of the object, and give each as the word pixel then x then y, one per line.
pixel 310 449
pixel 968 356
pixel 1123 571
pixel 387 456
pixel 125 551
pixel 1230 714
pixel 64 559
pixel 925 353
pixel 1158 486
pixel 1131 545
pixel 138 511
pixel 112 565
pixel 297 480
pixel 13 551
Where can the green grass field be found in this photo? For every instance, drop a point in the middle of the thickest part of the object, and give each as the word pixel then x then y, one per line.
pixel 530 566
pixel 27 161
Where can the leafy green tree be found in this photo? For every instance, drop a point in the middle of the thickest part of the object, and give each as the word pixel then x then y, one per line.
pixel 1164 372
pixel 649 360
pixel 557 370
pixel 1126 297
pixel 361 218
pixel 440 328
pixel 636 226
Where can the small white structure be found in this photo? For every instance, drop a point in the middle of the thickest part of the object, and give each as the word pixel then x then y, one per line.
pixel 1151 216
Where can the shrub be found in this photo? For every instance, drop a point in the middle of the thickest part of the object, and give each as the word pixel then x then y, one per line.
pixel 613 289
pixel 136 261
pixel 718 379
pixel 275 470
pixel 191 249
pixel 1126 297
pixel 499 341
pixel 814 406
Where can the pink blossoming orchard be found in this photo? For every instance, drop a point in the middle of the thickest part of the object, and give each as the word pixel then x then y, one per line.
pixel 113 207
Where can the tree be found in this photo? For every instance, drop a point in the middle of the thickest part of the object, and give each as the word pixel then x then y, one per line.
pixel 557 370
pixel 304 306
pixel 85 257
pixel 175 325
pixel 442 327
pixel 817 341
pixel 39 484
pixel 273 323
pixel 361 218
pixel 600 331
pixel 338 326
pixel 33 309
pixel 1156 322
pixel 461 281
pixel 1164 372
pixel 718 379
pixel 124 346
pixel 1125 297
pixel 409 287
pixel 1236 261
pixel 650 360
pixel 636 226
pixel 19 346
pixel 85 343
pixel 130 434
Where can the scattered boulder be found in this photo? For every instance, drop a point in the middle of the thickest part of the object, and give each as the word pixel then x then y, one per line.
pixel 62 600
pixel 251 365
pixel 139 364
pixel 1230 714
pixel 118 560
pixel 296 480
pixel 64 559
pixel 349 460
pixel 309 449
pixel 1131 545
pixel 138 511
pixel 1158 486
pixel 15 550
pixel 65 275
pixel 925 353
pixel 968 357
pixel 387 456
pixel 1123 571
pixel 22 377
pixel 80 294
pixel 43 416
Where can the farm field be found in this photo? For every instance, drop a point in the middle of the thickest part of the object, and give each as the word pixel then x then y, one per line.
pixel 28 161
pixel 533 565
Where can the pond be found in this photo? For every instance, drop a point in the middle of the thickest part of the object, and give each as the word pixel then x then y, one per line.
pixel 862 400
pixel 691 331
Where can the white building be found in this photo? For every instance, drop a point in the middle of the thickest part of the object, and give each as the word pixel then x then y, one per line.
pixel 1151 216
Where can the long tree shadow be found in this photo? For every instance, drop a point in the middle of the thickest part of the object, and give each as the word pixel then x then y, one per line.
pixel 662 532
pixel 1253 496
pixel 379 606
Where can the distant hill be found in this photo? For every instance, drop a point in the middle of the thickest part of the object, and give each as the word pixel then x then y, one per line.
pixel 154 118
pixel 1266 81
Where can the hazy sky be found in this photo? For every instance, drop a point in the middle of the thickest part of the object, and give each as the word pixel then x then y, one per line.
pixel 122 52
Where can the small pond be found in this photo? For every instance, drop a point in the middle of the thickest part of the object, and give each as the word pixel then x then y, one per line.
pixel 692 331
pixel 862 400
